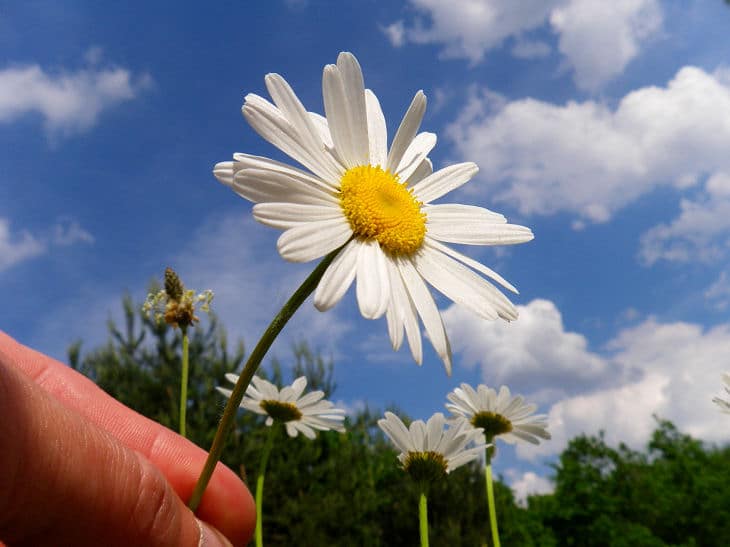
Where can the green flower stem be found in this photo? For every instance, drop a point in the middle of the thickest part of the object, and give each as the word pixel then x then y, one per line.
pixel 490 499
pixel 254 360
pixel 260 486
pixel 423 518
pixel 184 381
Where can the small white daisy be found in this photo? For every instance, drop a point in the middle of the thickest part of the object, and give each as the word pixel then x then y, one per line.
pixel 498 414
pixel 428 451
pixel 376 201
pixel 723 404
pixel 299 413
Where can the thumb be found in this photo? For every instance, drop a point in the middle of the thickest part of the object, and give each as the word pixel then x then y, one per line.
pixel 64 481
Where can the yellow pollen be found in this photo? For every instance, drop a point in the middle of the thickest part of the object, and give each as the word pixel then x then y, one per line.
pixel 379 207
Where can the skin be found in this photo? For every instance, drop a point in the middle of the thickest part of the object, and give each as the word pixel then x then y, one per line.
pixel 79 468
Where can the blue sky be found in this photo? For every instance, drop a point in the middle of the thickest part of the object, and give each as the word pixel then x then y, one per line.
pixel 602 126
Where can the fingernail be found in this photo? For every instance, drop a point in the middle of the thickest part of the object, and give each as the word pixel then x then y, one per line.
pixel 210 537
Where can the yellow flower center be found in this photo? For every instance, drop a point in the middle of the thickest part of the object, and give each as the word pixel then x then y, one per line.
pixel 379 207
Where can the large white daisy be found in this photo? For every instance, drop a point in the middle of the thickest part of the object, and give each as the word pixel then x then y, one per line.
pixel 723 404
pixel 374 200
pixel 299 413
pixel 433 448
pixel 499 414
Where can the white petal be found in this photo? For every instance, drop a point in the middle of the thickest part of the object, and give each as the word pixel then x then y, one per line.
pixel 444 181
pixel 309 399
pixel 407 130
pixel 456 212
pixel 377 131
pixel 409 316
pixel 373 288
pixel 270 123
pixel 291 429
pixel 478 266
pixel 298 387
pixel 427 309
pixel 223 171
pixel 397 431
pixel 419 148
pixel 478 233
pixel 288 215
pixel 320 122
pixel 462 285
pixel 344 104
pixel 296 176
pixel 396 305
pixel 422 171
pixel 434 431
pixel 313 239
pixel 293 110
pixel 356 108
pixel 337 278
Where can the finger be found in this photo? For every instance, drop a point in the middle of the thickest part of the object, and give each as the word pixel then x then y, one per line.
pixel 64 481
pixel 227 504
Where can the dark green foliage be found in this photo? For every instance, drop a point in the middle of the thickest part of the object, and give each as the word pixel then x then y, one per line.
pixel 676 493
pixel 347 489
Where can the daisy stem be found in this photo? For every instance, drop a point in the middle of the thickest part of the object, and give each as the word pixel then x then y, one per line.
pixel 252 364
pixel 184 381
pixel 423 518
pixel 490 499
pixel 260 486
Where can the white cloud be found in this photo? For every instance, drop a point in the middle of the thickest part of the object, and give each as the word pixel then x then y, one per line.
pixel 589 159
pixel 534 354
pixel 15 248
pixel 527 484
pixel 24 245
pixel 68 102
pixel 598 39
pixel 677 365
pixel 701 232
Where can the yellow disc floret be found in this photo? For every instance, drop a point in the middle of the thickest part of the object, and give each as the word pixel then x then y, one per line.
pixel 379 207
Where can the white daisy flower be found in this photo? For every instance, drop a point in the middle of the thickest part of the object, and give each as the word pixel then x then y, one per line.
pixel 300 414
pixel 374 200
pixel 723 404
pixel 428 451
pixel 498 414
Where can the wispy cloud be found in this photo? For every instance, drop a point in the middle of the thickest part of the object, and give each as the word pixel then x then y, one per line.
pixel 597 39
pixel 69 102
pixel 22 245
pixel 17 247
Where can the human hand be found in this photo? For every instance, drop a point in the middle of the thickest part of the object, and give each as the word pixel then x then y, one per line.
pixel 79 468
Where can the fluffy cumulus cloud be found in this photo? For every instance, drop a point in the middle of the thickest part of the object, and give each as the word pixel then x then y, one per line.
pixel 69 102
pixel 676 371
pixel 589 159
pixel 598 39
pixel 17 246
pixel 535 354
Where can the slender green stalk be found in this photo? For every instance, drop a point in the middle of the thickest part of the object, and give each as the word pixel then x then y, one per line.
pixel 423 518
pixel 260 486
pixel 184 381
pixel 254 360
pixel 490 499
